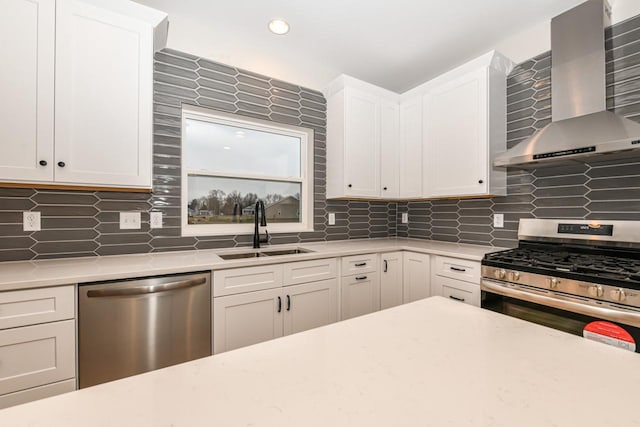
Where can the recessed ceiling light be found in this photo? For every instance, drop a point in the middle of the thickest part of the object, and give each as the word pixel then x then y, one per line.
pixel 279 26
pixel 226 147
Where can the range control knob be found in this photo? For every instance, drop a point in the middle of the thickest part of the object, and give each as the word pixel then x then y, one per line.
pixel 514 276
pixel 618 295
pixel 596 291
pixel 499 274
pixel 552 282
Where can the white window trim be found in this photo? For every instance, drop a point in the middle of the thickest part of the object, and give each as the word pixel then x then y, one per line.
pixel 306 172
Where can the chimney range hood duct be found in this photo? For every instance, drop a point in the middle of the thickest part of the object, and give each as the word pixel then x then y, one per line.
pixel 582 129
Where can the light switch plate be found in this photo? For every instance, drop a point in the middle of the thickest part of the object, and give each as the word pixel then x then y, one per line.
pixel 129 220
pixel 405 217
pixel 498 220
pixel 155 219
pixel 31 221
pixel 332 219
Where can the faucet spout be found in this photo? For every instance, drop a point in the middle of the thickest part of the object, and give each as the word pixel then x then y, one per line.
pixel 259 220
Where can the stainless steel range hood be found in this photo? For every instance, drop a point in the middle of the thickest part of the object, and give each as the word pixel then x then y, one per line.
pixel 582 129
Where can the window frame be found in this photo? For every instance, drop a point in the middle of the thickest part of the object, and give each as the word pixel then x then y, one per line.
pixel 306 178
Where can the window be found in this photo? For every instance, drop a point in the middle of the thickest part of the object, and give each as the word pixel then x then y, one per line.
pixel 230 162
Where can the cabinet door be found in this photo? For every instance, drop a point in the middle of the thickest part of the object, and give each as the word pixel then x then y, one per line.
pixel 360 295
pixel 36 355
pixel 416 277
pixel 362 144
pixel 391 280
pixel 245 319
pixel 310 305
pixel 389 161
pixel 456 155
pixel 411 148
pixel 104 89
pixel 27 35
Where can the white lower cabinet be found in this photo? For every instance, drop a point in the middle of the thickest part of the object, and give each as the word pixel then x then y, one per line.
pixel 36 355
pixel 391 279
pixel 37 344
pixel 360 295
pixel 251 317
pixel 456 279
pixel 246 319
pixel 416 278
pixel 310 305
pixel 257 304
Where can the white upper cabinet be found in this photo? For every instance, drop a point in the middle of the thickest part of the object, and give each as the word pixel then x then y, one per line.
pixel 389 158
pixel 437 140
pixel 411 148
pixel 362 144
pixel 465 127
pixel 104 91
pixel 97 57
pixel 27 34
pixel 362 128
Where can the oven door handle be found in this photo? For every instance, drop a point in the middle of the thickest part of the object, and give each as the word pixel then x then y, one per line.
pixel 618 315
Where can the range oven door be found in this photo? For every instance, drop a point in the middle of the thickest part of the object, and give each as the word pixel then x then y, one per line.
pixel 614 325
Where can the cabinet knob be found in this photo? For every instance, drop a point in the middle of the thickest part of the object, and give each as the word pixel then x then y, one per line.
pixel 43 162
pixel 61 164
pixel 480 181
pixel 385 188
pixel 349 185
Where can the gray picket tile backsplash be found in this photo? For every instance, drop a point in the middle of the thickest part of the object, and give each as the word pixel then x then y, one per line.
pixel 81 223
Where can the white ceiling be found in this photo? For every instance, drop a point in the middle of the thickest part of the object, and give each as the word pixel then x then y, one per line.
pixel 396 45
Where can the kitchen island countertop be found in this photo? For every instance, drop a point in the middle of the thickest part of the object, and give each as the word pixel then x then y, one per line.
pixel 433 362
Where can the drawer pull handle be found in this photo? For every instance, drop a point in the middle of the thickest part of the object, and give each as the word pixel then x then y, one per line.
pixel 279 304
pixel 456 298
pixel 288 303
pixel 386 266
pixel 458 269
pixel 361 278
pixel 361 264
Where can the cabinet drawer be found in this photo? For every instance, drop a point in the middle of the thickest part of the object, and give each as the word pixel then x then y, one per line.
pixel 458 269
pixel 32 306
pixel 36 393
pixel 37 355
pixel 239 280
pixel 359 264
pixel 458 290
pixel 309 271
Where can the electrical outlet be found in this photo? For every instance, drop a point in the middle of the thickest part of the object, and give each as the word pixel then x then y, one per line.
pixel 405 217
pixel 129 220
pixel 155 220
pixel 498 220
pixel 31 221
pixel 332 219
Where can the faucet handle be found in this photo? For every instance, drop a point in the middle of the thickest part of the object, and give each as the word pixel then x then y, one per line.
pixel 267 237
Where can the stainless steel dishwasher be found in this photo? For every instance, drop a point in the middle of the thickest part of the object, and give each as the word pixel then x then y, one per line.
pixel 130 327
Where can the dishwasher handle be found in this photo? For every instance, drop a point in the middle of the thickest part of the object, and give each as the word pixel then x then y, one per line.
pixel 143 290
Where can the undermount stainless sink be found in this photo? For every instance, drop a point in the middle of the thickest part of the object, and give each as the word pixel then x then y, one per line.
pixel 243 255
pixel 286 252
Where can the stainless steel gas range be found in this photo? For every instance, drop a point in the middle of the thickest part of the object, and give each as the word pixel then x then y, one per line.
pixel 581 277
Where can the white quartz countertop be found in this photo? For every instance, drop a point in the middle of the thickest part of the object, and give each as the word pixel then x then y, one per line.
pixel 30 274
pixel 433 362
